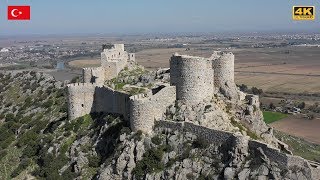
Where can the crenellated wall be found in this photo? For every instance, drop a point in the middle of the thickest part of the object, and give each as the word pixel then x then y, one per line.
pixel 94 75
pixel 80 99
pixel 86 98
pixel 113 60
pixel 193 78
pixel 223 66
pixel 144 110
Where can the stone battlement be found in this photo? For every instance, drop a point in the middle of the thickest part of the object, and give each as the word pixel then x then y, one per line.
pixel 192 76
pixel 81 85
pixel 145 110
pixel 138 97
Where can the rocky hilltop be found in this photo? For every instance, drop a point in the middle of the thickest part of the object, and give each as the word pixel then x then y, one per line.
pixel 187 122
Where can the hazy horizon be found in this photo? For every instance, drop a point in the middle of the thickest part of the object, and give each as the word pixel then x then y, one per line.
pixel 156 17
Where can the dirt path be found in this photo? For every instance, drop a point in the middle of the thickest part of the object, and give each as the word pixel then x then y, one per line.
pixel 304 128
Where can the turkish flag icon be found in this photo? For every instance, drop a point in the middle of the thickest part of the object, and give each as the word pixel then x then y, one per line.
pixel 18 12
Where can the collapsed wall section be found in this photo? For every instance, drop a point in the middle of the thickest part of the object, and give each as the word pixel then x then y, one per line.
pixel 80 99
pixel 223 65
pixel 93 75
pixel 193 78
pixel 144 110
pixel 86 98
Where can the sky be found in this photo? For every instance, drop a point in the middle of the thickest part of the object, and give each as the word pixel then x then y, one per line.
pixel 156 16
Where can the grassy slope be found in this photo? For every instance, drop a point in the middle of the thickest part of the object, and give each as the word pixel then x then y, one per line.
pixel 300 147
pixel 270 117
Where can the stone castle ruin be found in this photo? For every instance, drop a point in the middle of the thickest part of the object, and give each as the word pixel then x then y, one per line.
pixel 201 91
pixel 113 60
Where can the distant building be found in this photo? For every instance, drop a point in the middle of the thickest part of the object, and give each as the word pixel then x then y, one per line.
pixel 4 50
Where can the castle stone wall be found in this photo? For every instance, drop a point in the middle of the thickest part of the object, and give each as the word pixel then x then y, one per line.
pixel 253 100
pixel 80 99
pixel 93 75
pixel 110 101
pixel 132 57
pixel 113 60
pixel 223 65
pixel 193 77
pixel 284 161
pixel 223 68
pixel 86 98
pixel 145 110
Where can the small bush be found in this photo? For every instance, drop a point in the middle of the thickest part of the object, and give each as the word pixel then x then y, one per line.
pixel 22 166
pixel 151 162
pixel 156 140
pixel 10 117
pixel 138 136
pixel 94 161
pixel 190 176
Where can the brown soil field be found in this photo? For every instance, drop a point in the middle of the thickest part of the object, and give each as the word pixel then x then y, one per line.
pixel 293 69
pixel 307 129
pixel 85 63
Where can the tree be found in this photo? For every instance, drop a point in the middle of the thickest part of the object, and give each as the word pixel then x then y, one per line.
pixel 243 87
pixel 272 106
pixel 302 105
pixel 256 91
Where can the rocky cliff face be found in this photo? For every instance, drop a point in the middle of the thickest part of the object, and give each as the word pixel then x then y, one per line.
pixel 184 155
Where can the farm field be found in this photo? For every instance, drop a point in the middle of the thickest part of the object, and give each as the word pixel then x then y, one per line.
pixel 270 117
pixel 307 129
pixel 292 69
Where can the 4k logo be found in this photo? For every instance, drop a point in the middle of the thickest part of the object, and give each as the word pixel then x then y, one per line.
pixel 303 13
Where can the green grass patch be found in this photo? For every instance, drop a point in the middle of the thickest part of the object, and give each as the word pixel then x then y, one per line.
pixel 270 117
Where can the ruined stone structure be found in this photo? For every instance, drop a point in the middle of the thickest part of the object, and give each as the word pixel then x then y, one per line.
pixel 223 65
pixel 193 81
pixel 193 78
pixel 80 99
pixel 197 77
pixel 86 98
pixel 113 60
pixel 145 109
pixel 222 138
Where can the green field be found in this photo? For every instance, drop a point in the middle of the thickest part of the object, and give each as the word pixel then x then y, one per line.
pixel 270 117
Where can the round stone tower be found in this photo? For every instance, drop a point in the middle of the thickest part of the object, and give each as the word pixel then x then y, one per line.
pixel 223 69
pixel 223 65
pixel 193 78
pixel 80 99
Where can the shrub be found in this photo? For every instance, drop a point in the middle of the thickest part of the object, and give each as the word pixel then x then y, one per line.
pixel 94 161
pixel 5 143
pixel 3 153
pixel 151 162
pixel 10 117
pixel 156 140
pixel 27 138
pixel 48 103
pixel 22 166
pixel 190 176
